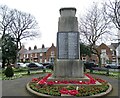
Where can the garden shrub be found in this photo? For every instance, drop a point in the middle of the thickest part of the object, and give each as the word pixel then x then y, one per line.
pixel 9 71
pixel 44 70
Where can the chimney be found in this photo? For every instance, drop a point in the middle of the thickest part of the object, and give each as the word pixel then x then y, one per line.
pixel 29 48
pixel 35 47
pixel 52 44
pixel 43 46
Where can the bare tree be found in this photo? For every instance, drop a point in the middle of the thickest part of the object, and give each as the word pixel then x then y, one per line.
pixel 93 25
pixel 6 18
pixel 112 9
pixel 18 24
pixel 24 26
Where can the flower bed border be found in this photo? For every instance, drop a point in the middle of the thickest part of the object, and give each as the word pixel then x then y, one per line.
pixel 45 95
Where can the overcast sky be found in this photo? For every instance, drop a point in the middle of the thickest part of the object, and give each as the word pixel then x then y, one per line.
pixel 46 13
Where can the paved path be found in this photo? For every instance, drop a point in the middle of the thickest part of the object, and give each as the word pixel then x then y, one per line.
pixel 115 84
pixel 17 87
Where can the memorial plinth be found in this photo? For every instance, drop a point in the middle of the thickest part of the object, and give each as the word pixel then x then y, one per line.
pixel 68 64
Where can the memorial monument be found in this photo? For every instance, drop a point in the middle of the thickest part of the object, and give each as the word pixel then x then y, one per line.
pixel 68 78
pixel 68 64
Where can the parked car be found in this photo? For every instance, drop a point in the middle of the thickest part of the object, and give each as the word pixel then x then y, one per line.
pixel 48 65
pixel 23 65
pixel 89 65
pixel 35 66
pixel 112 66
pixel 19 64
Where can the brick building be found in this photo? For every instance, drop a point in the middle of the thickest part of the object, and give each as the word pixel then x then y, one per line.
pixel 107 55
pixel 41 55
pixel 48 54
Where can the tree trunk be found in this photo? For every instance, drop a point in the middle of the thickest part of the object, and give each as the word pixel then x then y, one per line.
pixel 8 62
pixel 17 49
pixel 3 62
pixel 99 60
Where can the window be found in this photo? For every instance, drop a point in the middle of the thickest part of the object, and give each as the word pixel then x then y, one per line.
pixel 103 52
pixel 35 55
pixel 45 60
pixel 24 55
pixel 40 54
pixel 30 55
pixel 27 56
pixel 40 60
pixel 52 53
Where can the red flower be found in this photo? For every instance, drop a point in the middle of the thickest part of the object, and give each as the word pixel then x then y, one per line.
pixel 35 80
pixel 73 92
pixel 41 82
pixel 100 80
pixel 64 82
pixel 50 83
pixel 92 80
pixel 80 82
pixel 46 77
pixel 64 91
pixel 49 75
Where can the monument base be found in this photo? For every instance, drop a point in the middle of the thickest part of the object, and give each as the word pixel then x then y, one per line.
pixel 68 68
pixel 85 78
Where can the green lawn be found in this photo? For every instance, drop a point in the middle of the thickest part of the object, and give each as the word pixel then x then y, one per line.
pixel 111 73
pixel 18 73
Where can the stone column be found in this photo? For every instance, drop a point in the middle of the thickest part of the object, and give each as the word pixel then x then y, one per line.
pixel 68 64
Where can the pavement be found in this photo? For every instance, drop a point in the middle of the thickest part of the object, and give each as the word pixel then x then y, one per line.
pixel 17 87
pixel 115 93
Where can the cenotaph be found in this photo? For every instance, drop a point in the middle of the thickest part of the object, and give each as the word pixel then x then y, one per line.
pixel 68 64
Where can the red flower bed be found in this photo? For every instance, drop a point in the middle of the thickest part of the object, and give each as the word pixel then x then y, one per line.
pixel 44 81
pixel 91 81
pixel 69 90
